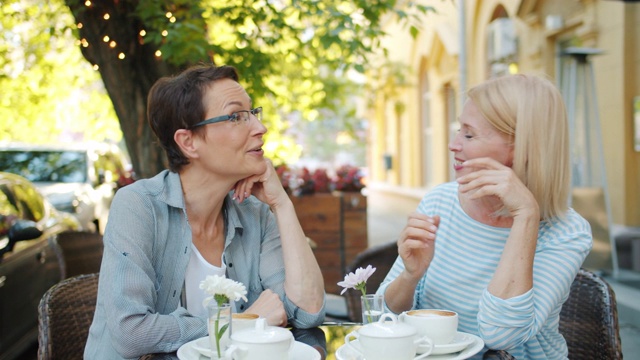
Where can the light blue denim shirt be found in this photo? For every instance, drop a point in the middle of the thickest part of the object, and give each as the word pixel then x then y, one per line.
pixel 146 252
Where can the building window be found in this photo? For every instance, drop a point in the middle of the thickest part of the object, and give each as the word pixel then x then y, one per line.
pixel 502 45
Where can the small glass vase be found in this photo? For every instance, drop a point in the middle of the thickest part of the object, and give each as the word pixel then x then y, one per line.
pixel 219 328
pixel 372 307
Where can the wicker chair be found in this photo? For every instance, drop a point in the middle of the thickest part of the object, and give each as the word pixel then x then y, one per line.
pixel 64 316
pixel 382 258
pixel 589 319
pixel 82 252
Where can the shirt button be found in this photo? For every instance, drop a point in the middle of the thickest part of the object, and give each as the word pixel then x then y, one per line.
pixel 230 264
pixel 241 307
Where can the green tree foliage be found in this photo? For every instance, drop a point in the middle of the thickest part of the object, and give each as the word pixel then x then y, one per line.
pixel 278 47
pixel 48 91
pixel 288 53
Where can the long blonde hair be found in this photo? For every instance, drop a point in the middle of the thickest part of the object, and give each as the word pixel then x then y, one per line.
pixel 540 139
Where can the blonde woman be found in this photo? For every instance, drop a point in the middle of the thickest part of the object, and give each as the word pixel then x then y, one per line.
pixel 499 245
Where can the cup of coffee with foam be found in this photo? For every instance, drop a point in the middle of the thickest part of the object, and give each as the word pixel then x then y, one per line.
pixel 243 321
pixel 441 326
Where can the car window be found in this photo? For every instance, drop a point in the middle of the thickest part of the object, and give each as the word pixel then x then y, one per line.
pixel 46 166
pixel 9 213
pixel 8 209
pixel 29 201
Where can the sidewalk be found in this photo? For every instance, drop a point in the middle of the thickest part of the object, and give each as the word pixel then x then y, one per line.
pixel 385 226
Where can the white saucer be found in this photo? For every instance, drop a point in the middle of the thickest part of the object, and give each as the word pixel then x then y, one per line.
pixel 202 345
pixel 192 351
pixel 346 353
pixel 459 342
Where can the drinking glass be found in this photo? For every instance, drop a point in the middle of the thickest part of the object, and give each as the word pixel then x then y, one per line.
pixel 219 328
pixel 372 307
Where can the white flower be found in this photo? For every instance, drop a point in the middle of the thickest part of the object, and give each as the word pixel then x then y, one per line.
pixel 358 280
pixel 220 286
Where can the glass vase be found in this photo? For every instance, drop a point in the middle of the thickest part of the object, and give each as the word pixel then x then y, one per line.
pixel 372 307
pixel 219 328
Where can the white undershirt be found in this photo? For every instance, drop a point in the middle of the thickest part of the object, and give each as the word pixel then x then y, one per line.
pixel 197 269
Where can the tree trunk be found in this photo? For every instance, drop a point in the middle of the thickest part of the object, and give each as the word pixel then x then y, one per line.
pixel 128 79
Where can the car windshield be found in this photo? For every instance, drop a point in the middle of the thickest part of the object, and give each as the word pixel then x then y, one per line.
pixel 46 166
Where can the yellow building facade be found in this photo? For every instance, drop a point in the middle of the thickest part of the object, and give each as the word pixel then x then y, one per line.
pixel 420 89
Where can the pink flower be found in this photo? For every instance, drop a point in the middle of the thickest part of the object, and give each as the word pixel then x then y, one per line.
pixel 357 280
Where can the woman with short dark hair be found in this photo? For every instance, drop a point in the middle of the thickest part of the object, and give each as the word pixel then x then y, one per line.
pixel 220 209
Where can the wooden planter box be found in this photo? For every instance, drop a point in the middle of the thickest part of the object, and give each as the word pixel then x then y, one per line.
pixel 337 223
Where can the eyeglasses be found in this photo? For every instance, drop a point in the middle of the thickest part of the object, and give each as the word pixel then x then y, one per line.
pixel 236 118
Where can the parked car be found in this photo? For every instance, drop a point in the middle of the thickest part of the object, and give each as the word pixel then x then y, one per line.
pixel 30 259
pixel 78 179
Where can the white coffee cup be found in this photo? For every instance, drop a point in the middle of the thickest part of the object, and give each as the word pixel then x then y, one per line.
pixel 263 342
pixel 384 340
pixel 441 326
pixel 243 321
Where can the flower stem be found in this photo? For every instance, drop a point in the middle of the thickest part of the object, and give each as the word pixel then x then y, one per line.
pixel 217 334
pixel 366 305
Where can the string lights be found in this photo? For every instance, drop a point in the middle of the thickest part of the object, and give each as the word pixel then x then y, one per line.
pixel 113 44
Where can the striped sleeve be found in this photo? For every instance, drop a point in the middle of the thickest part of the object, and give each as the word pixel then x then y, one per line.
pixel 466 256
pixel 562 247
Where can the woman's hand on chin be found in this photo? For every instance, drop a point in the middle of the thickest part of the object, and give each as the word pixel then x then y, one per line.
pixel 265 186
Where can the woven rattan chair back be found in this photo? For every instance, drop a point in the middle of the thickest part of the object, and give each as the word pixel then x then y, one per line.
pixel 82 252
pixel 380 257
pixel 64 316
pixel 589 319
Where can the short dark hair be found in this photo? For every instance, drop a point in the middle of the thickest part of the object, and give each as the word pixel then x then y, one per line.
pixel 175 102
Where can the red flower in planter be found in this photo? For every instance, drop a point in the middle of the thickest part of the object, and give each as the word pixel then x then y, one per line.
pixel 304 182
pixel 321 181
pixel 348 178
pixel 284 173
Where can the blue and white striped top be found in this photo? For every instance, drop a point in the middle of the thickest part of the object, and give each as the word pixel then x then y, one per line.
pixel 467 253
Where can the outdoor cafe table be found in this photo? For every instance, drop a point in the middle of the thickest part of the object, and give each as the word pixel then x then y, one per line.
pixel 328 338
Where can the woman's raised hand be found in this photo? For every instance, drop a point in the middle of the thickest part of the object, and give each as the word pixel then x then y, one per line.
pixel 265 186
pixel 491 178
pixel 416 244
